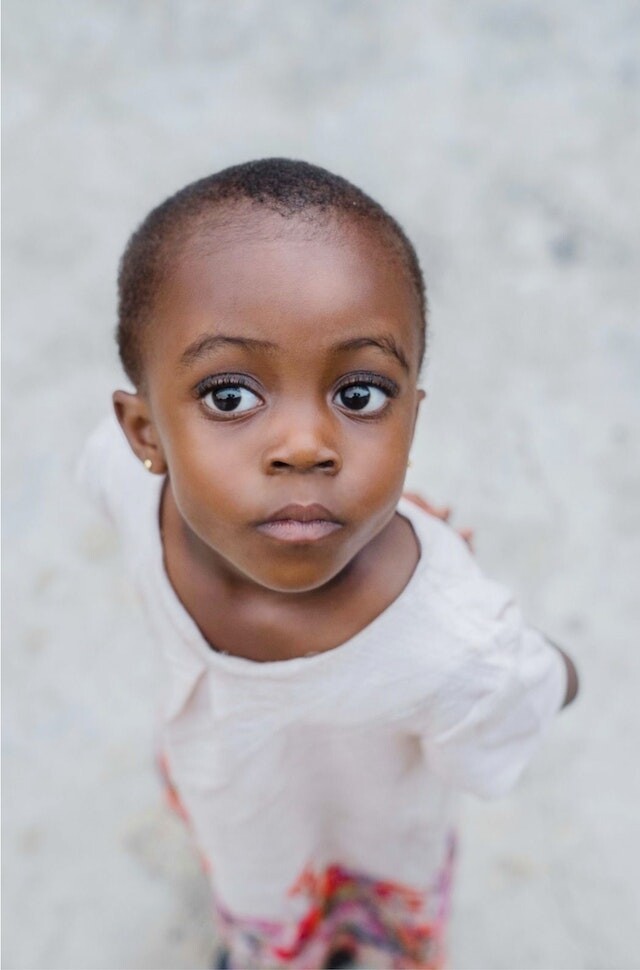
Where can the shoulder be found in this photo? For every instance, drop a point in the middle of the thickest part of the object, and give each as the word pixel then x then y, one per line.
pixel 107 471
pixel 452 589
pixel 470 627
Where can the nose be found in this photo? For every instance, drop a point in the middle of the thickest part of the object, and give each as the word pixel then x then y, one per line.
pixel 303 445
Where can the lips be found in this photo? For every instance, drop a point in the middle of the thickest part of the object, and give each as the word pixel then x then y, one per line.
pixel 300 523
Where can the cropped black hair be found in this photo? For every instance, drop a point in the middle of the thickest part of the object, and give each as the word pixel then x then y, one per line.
pixel 290 188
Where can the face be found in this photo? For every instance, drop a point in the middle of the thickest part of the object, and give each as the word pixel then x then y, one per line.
pixel 281 370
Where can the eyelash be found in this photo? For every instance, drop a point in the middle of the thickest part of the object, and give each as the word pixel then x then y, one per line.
pixel 388 387
pixel 226 380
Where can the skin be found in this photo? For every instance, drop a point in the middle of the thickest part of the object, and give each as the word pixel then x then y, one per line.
pixel 293 439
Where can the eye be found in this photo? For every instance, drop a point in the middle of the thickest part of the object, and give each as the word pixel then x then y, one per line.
pixel 363 397
pixel 230 397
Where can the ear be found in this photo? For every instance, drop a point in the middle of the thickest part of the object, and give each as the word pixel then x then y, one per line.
pixel 420 396
pixel 132 411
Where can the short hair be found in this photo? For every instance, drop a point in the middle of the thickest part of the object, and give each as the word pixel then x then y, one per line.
pixel 290 188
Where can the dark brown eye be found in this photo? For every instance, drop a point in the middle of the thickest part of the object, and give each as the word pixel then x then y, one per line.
pixel 362 397
pixel 231 397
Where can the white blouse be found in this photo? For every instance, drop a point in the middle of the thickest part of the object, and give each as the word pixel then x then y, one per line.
pixel 321 789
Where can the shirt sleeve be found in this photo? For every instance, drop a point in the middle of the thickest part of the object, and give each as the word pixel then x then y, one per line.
pixel 493 710
pixel 103 468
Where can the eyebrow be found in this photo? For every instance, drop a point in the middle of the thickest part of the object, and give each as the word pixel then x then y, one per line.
pixel 205 344
pixel 202 346
pixel 386 343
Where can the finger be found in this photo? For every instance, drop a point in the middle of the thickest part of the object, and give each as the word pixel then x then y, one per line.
pixel 419 500
pixel 467 535
pixel 441 513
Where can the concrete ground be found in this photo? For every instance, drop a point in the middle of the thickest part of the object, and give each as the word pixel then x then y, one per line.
pixel 504 136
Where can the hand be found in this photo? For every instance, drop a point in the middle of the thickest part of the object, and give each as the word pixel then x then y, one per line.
pixel 443 513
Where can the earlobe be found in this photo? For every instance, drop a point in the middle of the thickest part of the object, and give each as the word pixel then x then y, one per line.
pixel 132 412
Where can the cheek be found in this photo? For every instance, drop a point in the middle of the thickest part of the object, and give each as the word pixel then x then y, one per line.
pixel 203 449
pixel 379 461
pixel 208 478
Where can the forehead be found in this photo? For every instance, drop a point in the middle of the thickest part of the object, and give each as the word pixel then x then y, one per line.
pixel 297 282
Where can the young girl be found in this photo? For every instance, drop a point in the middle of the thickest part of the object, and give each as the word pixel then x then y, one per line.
pixel 337 666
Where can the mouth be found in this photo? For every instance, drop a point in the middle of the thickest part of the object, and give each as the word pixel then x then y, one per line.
pixel 300 523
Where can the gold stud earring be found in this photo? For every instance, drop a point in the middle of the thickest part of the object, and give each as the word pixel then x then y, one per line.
pixel 409 464
pixel 148 464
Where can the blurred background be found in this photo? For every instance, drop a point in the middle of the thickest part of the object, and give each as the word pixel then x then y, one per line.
pixel 504 137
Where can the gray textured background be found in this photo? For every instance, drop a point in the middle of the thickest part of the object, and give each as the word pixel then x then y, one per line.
pixel 504 135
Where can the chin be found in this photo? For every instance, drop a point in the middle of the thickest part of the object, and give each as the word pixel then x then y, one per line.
pixel 298 579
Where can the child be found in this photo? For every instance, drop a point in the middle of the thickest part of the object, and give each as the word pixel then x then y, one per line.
pixel 337 665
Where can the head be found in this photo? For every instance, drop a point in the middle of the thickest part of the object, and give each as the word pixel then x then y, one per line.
pixel 272 320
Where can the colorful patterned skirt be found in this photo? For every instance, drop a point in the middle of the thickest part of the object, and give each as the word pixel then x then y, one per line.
pixel 350 920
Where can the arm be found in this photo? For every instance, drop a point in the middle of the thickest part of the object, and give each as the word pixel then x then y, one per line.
pixel 572 673
pixel 467 535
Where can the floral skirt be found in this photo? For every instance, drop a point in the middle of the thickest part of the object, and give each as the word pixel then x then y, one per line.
pixel 350 920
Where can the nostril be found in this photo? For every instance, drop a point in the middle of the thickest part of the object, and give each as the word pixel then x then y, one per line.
pixel 329 465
